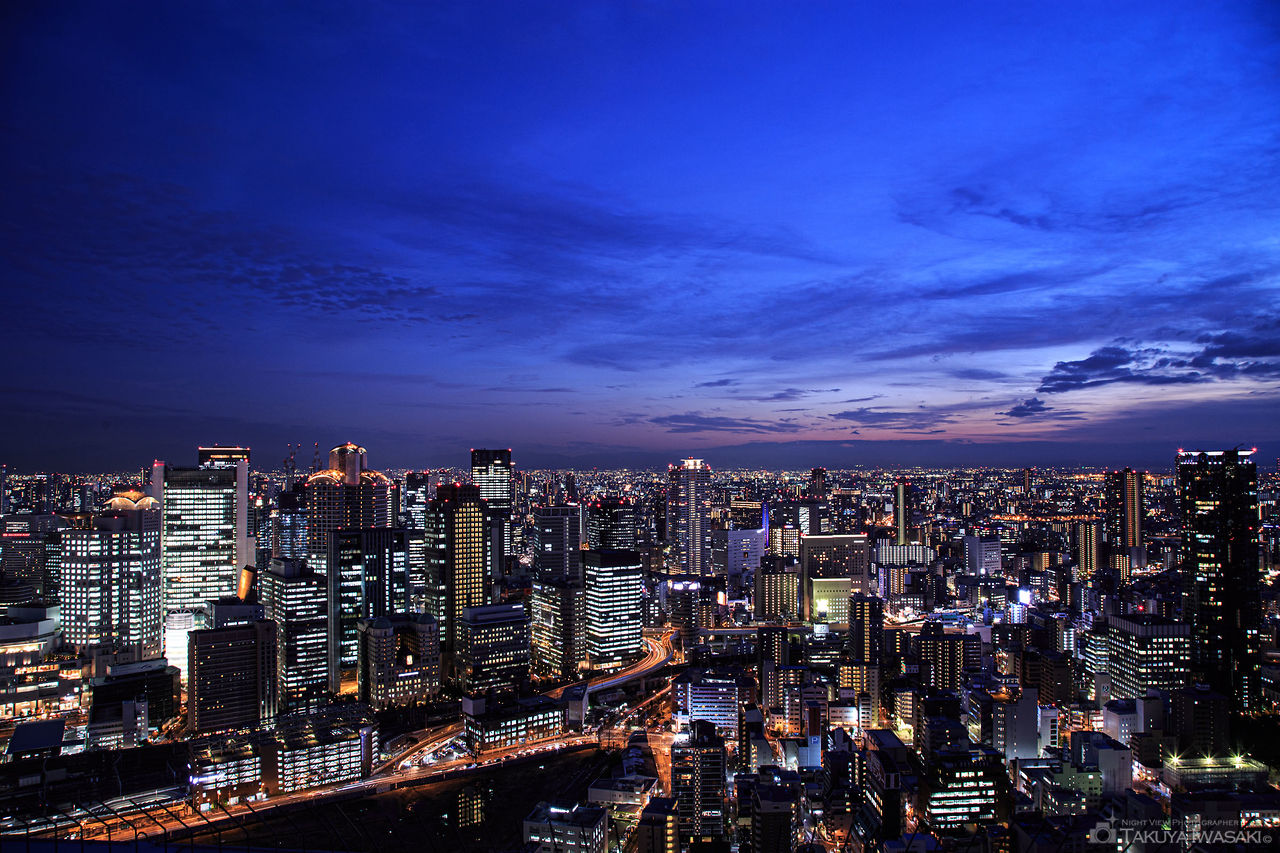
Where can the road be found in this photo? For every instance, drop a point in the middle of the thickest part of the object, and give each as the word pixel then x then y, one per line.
pixel 130 819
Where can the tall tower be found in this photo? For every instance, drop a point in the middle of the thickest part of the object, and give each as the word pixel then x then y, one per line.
pixel 557 542
pixel 345 496
pixel 111 578
pixel 205 537
pixel 457 555
pixel 1088 549
pixel 1125 506
pixel 818 483
pixel 689 515
pixel 611 524
pixel 902 511
pixel 1218 497
pixel 491 470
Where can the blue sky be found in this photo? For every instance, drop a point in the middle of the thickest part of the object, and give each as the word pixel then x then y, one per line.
pixel 811 233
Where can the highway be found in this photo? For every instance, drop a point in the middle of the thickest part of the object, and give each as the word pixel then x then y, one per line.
pixel 126 819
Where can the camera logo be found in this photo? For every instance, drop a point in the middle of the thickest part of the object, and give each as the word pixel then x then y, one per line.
pixel 1102 833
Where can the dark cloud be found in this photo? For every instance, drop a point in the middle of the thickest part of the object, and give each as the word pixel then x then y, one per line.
pixel 1027 409
pixel 1113 364
pixel 922 420
pixel 976 373
pixel 716 383
pixel 691 422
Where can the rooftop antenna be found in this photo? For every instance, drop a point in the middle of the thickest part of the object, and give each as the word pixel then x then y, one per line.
pixel 315 459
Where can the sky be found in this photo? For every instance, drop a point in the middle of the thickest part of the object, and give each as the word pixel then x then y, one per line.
pixel 768 234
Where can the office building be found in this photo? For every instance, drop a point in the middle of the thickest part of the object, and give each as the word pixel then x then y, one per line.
pixel 28 546
pixel 689 516
pixel 614 585
pixel 399 659
pixel 1147 652
pixel 1222 595
pixel 289 523
pixel 110 579
pixel 493 648
pixel 369 576
pixel 232 677
pixel 777 585
pixel 658 830
pixel 345 496
pixel 293 597
pixel 206 538
pixel 902 507
pixel 734 552
pixel 611 524
pixel 818 483
pixel 837 557
pixel 698 781
pixel 458 552
pixel 559 829
pixel 417 494
pixel 493 474
pixel 775 818
pixel 964 784
pixel 557 542
pixel 982 555
pixel 558 619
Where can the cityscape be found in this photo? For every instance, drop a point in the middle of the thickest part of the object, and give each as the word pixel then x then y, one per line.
pixel 492 658
pixel 595 426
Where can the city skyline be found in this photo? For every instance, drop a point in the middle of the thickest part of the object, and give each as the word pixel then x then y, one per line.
pixel 765 236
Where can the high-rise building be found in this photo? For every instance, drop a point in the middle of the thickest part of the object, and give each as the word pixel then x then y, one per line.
pixel 777 589
pixel 1088 549
pixel 698 782
pixel 458 549
pixel 293 597
pixel 289 538
pixel 1222 578
pixel 982 555
pixel 658 830
pixel 345 496
pixel 1147 652
pixel 492 472
pixel 206 538
pixel 843 556
pixel 110 582
pixel 368 576
pixel 611 524
pixel 418 492
pixel 232 677
pixel 902 506
pixel 557 542
pixel 399 659
pixel 1125 506
pixel 818 483
pixel 615 620
pixel 734 552
pixel 557 829
pixel 493 648
pixel 689 516
pixel 866 629
pixel 557 627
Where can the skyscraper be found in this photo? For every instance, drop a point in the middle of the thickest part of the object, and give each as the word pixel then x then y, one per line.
pixel 369 577
pixel 418 491
pixel 232 676
pixel 492 472
pixel 457 555
pixel 1218 497
pixel 698 781
pixel 557 617
pixel 557 542
pixel 818 483
pixel 345 496
pixel 777 585
pixel 866 629
pixel 689 516
pixel 615 621
pixel 902 511
pixel 1125 506
pixel 611 524
pixel 1088 549
pixel 293 597
pixel 844 556
pixel 110 577
pixel 982 555
pixel 206 537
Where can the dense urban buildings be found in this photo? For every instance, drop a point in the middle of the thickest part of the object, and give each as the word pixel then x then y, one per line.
pixel 1030 651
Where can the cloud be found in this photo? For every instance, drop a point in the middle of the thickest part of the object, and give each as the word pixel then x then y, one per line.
pixel 1114 364
pixel 1029 408
pixel 693 422
pixel 922 420
pixel 716 383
